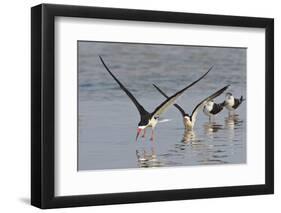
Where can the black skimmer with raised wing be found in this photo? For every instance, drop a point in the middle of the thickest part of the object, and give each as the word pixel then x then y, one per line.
pixel 148 119
pixel 189 120
pixel 232 103
pixel 211 108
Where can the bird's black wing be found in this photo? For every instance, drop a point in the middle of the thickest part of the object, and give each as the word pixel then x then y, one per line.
pixel 171 100
pixel 237 102
pixel 222 103
pixel 202 103
pixel 166 96
pixel 216 108
pixel 140 108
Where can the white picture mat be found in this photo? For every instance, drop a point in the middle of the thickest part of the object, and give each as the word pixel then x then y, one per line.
pixel 68 181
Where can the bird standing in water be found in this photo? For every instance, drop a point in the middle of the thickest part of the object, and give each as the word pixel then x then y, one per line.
pixel 232 103
pixel 211 108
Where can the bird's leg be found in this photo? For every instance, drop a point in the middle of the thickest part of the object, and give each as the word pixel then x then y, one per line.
pixel 152 134
pixel 144 133
pixel 210 119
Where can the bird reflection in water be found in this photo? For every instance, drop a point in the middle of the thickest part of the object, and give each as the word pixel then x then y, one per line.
pixel 212 127
pixel 147 158
pixel 189 136
pixel 232 121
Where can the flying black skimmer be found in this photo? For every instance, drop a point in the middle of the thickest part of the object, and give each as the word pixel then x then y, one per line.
pixel 189 120
pixel 148 119
pixel 232 103
pixel 211 108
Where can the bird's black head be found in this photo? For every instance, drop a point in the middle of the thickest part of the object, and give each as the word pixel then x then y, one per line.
pixel 142 125
pixel 144 120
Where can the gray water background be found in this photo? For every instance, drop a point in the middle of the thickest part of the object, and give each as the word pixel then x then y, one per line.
pixel 107 119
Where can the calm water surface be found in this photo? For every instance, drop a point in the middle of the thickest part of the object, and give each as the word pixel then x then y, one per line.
pixel 108 120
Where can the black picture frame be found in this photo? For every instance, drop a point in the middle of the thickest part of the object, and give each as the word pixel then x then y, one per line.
pixel 43 105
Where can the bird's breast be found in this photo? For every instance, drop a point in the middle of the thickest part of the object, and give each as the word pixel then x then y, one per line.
pixel 229 102
pixel 152 122
pixel 206 111
pixel 188 124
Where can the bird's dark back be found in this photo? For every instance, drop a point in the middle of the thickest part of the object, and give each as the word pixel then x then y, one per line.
pixel 237 102
pixel 217 108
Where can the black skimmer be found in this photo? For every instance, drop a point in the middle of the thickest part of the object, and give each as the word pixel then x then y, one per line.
pixel 211 108
pixel 148 119
pixel 232 103
pixel 189 120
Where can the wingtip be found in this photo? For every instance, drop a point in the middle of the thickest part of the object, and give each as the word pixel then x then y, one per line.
pixel 106 67
pixel 208 70
pixel 226 87
pixel 157 88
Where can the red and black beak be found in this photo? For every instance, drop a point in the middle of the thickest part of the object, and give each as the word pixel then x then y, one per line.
pixel 138 133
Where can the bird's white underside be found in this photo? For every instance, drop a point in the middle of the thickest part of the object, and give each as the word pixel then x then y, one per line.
pixel 229 102
pixel 152 122
pixel 188 123
pixel 208 107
